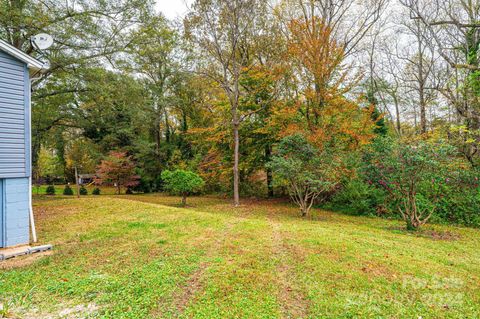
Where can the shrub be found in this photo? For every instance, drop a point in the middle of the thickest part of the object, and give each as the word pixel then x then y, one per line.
pixel 459 209
pixel 129 191
pixel 96 191
pixel 413 176
pixel 306 172
pixel 181 182
pixel 359 198
pixel 83 191
pixel 68 190
pixel 460 203
pixel 50 190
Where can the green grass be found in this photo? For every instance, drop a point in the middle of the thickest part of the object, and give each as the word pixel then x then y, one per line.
pixel 142 256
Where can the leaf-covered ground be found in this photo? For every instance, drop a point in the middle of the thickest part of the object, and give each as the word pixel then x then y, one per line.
pixel 143 257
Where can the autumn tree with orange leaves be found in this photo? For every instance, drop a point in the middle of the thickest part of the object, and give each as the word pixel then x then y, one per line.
pixel 324 110
pixel 117 169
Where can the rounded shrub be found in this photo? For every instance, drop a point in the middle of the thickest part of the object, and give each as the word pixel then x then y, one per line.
pixel 68 190
pixel 96 191
pixel 83 191
pixel 183 183
pixel 50 190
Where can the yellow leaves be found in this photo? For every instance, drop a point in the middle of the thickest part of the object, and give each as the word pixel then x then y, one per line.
pixel 313 45
pixel 322 111
pixel 459 129
pixel 464 135
pixel 208 134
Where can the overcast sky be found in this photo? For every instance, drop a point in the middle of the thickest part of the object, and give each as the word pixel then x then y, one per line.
pixel 173 8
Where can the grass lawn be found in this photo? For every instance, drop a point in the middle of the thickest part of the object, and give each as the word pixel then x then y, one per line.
pixel 140 256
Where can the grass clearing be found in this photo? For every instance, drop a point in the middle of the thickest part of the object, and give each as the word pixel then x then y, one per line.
pixel 141 256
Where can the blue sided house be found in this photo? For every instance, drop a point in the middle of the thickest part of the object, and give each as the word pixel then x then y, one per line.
pixel 16 69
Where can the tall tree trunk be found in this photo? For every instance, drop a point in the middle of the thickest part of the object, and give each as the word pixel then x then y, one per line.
pixel 421 93
pixel 76 182
pixel 415 117
pixel 421 83
pixel 236 158
pixel 423 114
pixel 167 127
pixel 397 115
pixel 268 154
pixel 157 130
pixel 234 101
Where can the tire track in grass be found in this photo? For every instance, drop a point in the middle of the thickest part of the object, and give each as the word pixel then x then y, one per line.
pixel 195 282
pixel 292 299
pixel 240 281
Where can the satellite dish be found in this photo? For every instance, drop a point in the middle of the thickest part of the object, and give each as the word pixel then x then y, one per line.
pixel 42 41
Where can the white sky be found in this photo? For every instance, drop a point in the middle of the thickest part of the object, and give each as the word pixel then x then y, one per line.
pixel 173 8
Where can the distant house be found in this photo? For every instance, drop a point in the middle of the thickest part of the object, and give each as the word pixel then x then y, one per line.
pixel 84 179
pixel 16 69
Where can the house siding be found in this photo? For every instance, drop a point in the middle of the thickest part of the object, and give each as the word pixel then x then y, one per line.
pixel 15 164
pixel 16 211
pixel 14 118
pixel 2 216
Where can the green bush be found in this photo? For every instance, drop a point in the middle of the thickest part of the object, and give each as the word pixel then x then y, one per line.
pixel 50 190
pixel 304 170
pixel 443 183
pixel 83 191
pixel 414 176
pixel 359 198
pixel 460 202
pixel 96 191
pixel 67 190
pixel 461 209
pixel 181 182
